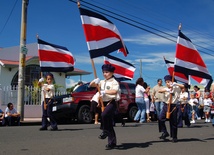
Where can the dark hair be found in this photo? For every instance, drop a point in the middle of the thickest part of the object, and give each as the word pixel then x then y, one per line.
pixel 145 85
pixel 108 67
pixel 80 82
pixel 159 80
pixel 196 87
pixel 9 104
pixel 49 74
pixel 140 81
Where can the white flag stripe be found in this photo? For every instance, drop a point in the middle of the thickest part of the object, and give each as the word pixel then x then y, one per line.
pixel 181 79
pixel 53 49
pixel 97 22
pixel 121 75
pixel 55 64
pixel 188 65
pixel 131 68
pixel 186 43
pixel 101 43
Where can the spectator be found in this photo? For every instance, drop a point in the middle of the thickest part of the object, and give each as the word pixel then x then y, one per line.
pixel 2 117
pixel 194 104
pixel 157 98
pixel 207 104
pixel 95 108
pixel 139 99
pixel 12 117
pixel 199 108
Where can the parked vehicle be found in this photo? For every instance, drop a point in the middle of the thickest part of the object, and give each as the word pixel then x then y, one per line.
pixel 77 104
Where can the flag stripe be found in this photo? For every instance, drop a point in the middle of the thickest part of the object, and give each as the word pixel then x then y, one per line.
pixel 55 56
pixel 193 66
pixel 93 45
pixel 123 69
pixel 189 54
pixel 93 33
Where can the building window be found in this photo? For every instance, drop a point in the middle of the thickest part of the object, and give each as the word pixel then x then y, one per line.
pixel 32 72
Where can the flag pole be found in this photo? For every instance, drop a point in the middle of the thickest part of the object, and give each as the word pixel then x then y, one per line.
pixel 95 73
pixel 41 75
pixel 170 97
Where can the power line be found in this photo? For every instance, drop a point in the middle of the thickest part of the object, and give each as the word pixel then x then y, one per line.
pixel 8 17
pixel 135 22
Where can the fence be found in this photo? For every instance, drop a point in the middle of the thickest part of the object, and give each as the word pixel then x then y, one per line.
pixel 32 96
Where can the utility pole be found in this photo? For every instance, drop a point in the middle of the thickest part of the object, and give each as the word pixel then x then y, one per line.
pixel 22 56
pixel 141 68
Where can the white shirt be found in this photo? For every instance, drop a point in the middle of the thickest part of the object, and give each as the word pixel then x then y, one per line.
pixel 193 101
pixel 182 96
pixel 13 111
pixel 139 91
pixel 175 95
pixel 207 102
pixel 110 84
pixel 51 92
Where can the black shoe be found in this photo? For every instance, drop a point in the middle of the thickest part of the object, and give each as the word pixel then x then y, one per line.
pixel 174 140
pixel 43 129
pixel 164 135
pixel 110 146
pixel 54 129
pixel 103 135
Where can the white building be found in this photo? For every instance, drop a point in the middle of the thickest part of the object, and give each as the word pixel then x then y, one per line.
pixel 9 66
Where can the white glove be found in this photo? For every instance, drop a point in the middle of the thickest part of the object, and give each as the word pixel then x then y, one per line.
pixel 167 89
pixel 96 81
pixel 102 92
pixel 41 80
pixel 173 84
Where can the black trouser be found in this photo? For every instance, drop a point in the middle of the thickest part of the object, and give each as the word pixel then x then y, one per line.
pixel 107 117
pixel 172 120
pixel 48 113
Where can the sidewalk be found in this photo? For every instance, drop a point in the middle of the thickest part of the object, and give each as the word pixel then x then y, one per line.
pixel 31 121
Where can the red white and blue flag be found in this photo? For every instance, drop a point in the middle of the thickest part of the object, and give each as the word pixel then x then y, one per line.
pixel 189 62
pixel 54 58
pixel 123 70
pixel 102 36
pixel 178 76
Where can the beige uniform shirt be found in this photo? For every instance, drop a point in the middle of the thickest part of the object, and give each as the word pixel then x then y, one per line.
pixel 48 94
pixel 110 84
pixel 175 95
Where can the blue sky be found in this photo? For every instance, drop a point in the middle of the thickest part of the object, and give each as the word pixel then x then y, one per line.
pixel 58 21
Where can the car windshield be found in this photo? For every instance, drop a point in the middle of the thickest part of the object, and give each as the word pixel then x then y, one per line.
pixel 84 88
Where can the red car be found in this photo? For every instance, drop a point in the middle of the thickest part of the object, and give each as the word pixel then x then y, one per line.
pixel 77 105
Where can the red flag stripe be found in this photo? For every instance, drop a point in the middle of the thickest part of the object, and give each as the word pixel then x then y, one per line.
pixel 121 70
pixel 55 56
pixel 93 33
pixel 188 53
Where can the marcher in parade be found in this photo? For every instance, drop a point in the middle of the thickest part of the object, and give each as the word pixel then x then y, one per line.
pixel 109 90
pixel 172 91
pixel 47 105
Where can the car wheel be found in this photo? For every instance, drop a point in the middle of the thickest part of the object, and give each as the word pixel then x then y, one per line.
pixel 132 112
pixel 84 114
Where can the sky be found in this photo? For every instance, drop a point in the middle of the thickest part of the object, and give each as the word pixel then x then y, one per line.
pixel 58 22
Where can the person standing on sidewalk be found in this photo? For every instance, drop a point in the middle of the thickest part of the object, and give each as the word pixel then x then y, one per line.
pixel 47 106
pixel 157 98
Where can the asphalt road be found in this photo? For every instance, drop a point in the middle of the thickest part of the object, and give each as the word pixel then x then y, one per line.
pixel 82 139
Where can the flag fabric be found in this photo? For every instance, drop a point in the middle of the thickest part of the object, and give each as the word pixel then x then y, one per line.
pixel 54 58
pixel 178 76
pixel 123 70
pixel 189 61
pixel 102 36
